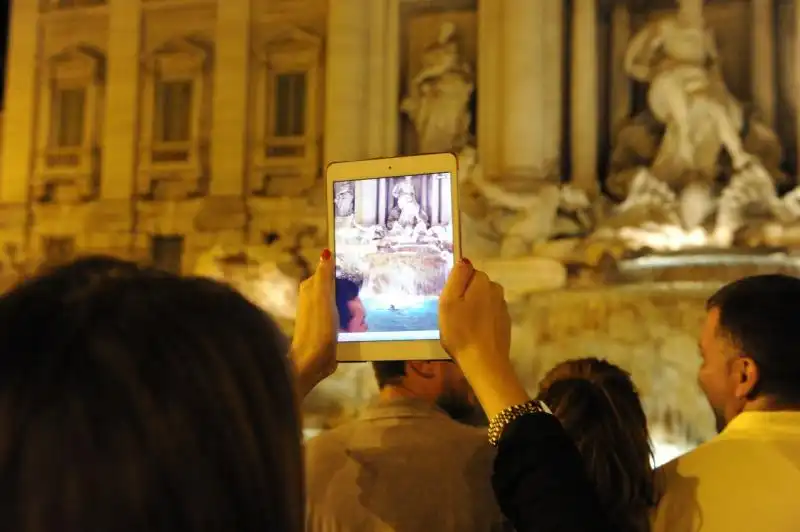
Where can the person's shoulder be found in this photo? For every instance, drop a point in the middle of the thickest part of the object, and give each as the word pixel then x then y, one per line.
pixel 691 459
pixel 711 462
pixel 331 440
pixel 465 433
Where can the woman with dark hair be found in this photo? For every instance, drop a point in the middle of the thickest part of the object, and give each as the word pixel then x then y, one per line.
pixel 136 400
pixel 599 407
pixel 539 479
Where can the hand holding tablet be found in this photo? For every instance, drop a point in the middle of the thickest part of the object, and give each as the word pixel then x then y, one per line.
pixel 393 229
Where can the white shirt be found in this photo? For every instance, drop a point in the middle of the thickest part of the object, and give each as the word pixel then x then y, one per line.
pixel 747 478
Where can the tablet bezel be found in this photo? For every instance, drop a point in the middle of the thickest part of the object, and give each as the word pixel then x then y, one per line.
pixel 393 167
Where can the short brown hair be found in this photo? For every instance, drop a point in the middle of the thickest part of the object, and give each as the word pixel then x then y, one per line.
pixel 758 314
pixel 598 405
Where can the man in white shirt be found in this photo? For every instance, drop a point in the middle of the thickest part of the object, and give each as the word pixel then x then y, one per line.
pixel 748 477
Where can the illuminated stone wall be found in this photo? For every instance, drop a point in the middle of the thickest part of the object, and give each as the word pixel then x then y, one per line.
pixel 650 330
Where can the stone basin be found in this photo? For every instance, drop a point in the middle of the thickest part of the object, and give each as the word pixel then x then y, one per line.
pixel 704 266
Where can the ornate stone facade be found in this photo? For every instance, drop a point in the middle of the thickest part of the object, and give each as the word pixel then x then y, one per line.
pixel 194 134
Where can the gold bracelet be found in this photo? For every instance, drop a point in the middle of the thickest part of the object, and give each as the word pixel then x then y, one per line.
pixel 501 420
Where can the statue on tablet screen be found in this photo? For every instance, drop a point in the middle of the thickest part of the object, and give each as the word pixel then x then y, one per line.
pixel 344 198
pixel 409 211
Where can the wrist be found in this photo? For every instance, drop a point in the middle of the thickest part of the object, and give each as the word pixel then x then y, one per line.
pixel 305 380
pixel 493 380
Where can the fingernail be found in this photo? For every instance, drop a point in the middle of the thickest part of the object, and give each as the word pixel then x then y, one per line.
pixel 326 254
pixel 466 261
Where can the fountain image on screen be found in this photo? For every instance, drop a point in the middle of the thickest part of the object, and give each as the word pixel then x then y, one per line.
pixel 393 242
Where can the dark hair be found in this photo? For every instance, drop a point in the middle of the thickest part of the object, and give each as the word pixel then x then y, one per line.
pixel 389 372
pixel 346 291
pixel 138 400
pixel 599 407
pixel 759 316
pixel 85 271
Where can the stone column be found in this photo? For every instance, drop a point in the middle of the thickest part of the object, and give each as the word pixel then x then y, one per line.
pixel 21 95
pixel 520 70
pixel 489 86
pixel 366 202
pixel 231 86
pixel 584 96
pixel 620 82
pixel 347 79
pixel 763 58
pixel 122 101
pixel 384 79
pixel 796 94
pixel 435 201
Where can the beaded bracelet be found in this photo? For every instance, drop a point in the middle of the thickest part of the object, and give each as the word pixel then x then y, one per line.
pixel 501 420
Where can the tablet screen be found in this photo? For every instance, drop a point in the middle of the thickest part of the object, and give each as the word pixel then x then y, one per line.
pixel 393 242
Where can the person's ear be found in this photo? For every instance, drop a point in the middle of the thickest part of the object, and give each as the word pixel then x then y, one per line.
pixel 422 368
pixel 746 373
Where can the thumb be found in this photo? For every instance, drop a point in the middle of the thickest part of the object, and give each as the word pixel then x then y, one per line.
pixel 458 281
pixel 324 274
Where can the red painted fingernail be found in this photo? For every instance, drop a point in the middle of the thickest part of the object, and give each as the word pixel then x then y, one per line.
pixel 326 254
pixel 466 261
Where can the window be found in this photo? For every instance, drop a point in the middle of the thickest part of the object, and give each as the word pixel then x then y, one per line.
pixel 58 250
pixel 166 253
pixel 173 116
pixel 286 138
pixel 289 101
pixel 69 115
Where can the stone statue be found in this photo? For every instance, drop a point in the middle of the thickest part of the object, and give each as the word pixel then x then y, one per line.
pixel 344 199
pixel 409 211
pixel 667 164
pixel 678 58
pixel 438 104
pixel 515 220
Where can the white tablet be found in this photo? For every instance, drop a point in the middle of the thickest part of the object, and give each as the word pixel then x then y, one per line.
pixel 394 232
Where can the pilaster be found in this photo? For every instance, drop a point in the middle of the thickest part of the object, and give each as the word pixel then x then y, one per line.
pixel 347 80
pixel 230 102
pixel 384 82
pixel 19 122
pixel 520 84
pixel 121 125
